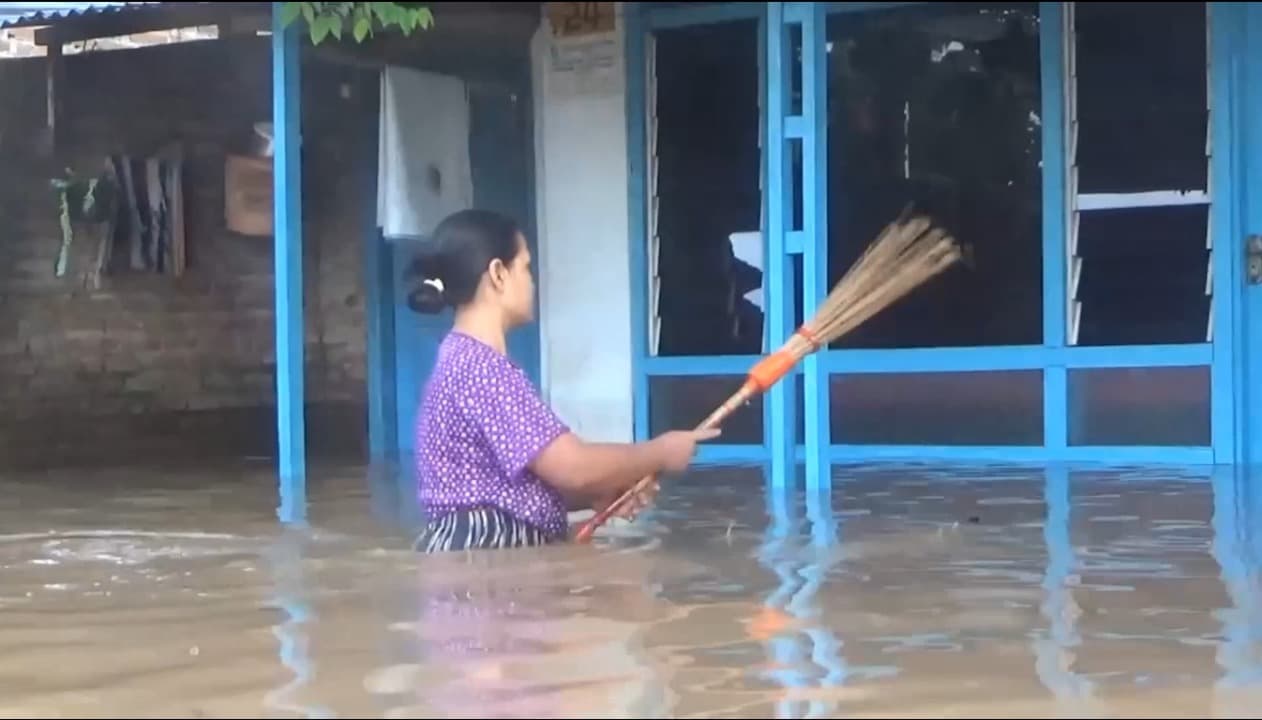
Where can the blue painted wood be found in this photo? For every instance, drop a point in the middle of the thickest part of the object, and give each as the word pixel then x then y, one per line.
pixel 287 218
pixel 1056 407
pixel 1016 357
pixel 1055 278
pixel 722 455
pixel 416 347
pixel 382 350
pixel 1248 379
pixel 637 205
pixel 1100 454
pixel 1226 23
pixel 1132 356
pixel 709 455
pixel 816 397
pixel 1231 100
pixel 383 431
pixel 780 418
pixel 797 127
pixel 663 18
pixel 795 242
pixel 977 359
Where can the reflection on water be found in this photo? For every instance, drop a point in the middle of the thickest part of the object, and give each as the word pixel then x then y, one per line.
pixel 906 590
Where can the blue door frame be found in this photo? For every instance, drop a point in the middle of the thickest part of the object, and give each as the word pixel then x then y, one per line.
pixel 288 284
pixel 1239 123
pixel 1054 356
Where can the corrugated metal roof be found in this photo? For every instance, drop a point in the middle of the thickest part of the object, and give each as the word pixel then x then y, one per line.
pixel 33 13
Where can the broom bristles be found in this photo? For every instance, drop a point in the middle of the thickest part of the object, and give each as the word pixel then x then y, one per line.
pixel 907 253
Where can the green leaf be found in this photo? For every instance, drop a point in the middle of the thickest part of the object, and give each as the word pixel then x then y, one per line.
pixel 360 19
pixel 319 30
pixel 289 12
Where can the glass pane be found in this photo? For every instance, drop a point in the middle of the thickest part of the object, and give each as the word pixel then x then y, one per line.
pixel 799 307
pixel 1143 276
pixel 795 70
pixel 939 104
pixel 1142 110
pixel 938 408
pixel 706 171
pixel 679 402
pixel 1140 406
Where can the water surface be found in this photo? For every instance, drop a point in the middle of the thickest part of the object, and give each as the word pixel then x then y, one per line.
pixel 906 590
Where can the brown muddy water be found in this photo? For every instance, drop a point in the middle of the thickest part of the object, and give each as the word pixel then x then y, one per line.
pixel 905 591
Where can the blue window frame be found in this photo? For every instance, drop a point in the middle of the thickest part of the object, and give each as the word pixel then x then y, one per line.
pixel 790 125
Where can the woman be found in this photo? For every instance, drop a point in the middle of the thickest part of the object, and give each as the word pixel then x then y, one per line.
pixel 496 468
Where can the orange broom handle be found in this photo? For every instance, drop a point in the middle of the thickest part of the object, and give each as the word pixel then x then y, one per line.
pixel 761 377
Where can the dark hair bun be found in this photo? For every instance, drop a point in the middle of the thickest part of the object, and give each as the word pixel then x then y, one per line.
pixel 449 270
pixel 426 295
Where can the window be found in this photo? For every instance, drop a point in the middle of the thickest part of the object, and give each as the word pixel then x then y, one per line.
pixel 1140 249
pixel 704 191
pixel 938 408
pixel 939 105
pixel 680 402
pixel 1140 406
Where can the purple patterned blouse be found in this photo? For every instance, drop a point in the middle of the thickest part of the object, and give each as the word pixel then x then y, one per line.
pixel 480 424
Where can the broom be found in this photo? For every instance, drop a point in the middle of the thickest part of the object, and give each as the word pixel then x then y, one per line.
pixel 908 252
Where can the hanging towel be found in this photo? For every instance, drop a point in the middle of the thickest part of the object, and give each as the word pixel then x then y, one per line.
pixel 423 168
pixel 747 249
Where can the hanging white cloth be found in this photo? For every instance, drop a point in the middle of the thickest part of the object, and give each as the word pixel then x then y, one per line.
pixel 423 169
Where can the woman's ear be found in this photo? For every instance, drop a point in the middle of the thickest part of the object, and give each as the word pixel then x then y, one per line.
pixel 498 273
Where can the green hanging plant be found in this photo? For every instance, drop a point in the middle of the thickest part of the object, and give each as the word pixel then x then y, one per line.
pixel 360 19
pixel 80 200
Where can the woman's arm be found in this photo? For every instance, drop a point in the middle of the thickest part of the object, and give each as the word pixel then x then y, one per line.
pixel 591 470
pixel 600 470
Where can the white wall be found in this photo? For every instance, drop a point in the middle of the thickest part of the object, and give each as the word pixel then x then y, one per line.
pixel 584 283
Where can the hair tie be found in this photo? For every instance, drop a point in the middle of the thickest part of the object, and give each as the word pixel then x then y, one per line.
pixel 434 283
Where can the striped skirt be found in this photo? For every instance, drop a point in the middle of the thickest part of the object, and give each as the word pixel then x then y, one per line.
pixel 484 528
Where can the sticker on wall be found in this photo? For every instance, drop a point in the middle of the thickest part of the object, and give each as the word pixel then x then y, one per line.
pixel 578 19
pixel 586 67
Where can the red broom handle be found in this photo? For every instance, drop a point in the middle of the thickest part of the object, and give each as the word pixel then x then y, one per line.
pixel 762 376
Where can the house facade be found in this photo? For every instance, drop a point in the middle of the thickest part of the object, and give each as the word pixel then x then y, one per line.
pixel 696 176
pixel 1095 156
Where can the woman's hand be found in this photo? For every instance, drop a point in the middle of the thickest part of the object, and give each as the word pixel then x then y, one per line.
pixel 631 507
pixel 677 448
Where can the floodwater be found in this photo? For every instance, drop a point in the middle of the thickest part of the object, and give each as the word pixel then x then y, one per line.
pixel 907 590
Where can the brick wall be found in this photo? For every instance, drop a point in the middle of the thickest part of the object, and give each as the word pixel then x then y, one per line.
pixel 153 365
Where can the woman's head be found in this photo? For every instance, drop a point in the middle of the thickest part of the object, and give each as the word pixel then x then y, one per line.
pixel 479 258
